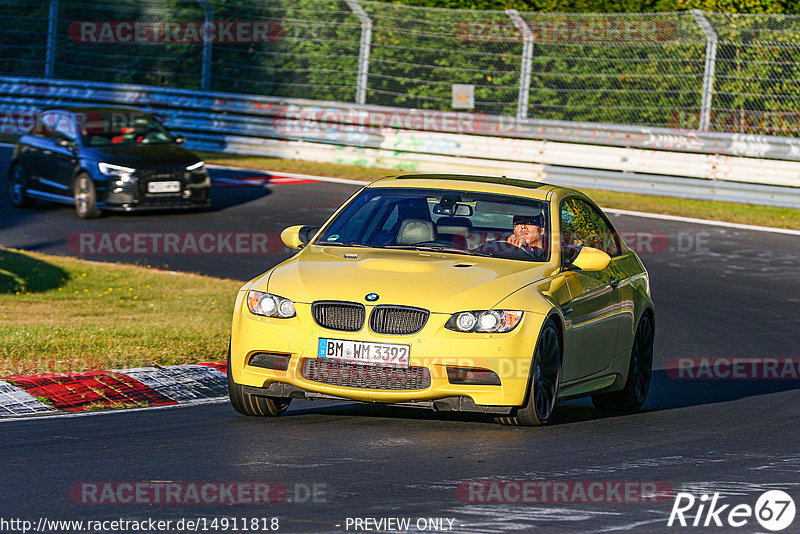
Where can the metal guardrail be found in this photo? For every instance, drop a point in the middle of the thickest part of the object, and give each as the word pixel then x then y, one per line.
pixel 724 72
pixel 733 167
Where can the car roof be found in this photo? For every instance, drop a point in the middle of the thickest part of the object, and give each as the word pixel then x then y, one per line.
pixel 96 109
pixel 487 184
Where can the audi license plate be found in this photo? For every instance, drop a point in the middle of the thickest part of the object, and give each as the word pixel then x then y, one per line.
pixel 164 187
pixel 383 354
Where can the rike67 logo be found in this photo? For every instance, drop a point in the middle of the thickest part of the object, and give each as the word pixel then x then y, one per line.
pixel 774 511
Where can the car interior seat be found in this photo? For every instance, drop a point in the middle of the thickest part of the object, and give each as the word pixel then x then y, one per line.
pixel 414 231
pixel 457 230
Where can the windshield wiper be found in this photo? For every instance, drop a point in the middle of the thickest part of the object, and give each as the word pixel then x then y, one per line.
pixel 342 244
pixel 440 248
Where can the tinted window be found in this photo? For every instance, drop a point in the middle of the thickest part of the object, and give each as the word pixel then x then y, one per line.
pixel 426 219
pixel 45 126
pixel 65 126
pixel 56 125
pixel 582 225
pixel 122 128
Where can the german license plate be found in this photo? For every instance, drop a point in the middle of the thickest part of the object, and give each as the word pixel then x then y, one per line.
pixel 164 187
pixel 382 354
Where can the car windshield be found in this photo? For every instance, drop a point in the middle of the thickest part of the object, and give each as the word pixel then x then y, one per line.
pixel 460 222
pixel 122 128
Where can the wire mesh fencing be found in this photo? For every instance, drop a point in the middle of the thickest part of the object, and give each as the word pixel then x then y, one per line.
pixel 23 37
pixel 687 70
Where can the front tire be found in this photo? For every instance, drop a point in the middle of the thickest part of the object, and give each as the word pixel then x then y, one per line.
pixel 248 404
pixel 640 370
pixel 543 383
pixel 18 187
pixel 85 197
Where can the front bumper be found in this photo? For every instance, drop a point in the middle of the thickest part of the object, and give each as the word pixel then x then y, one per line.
pixel 434 348
pixel 178 204
pixel 195 192
pixel 444 404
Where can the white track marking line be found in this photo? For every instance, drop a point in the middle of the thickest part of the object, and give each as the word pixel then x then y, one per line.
pixel 608 210
pixel 65 415
pixel 703 221
pixel 279 174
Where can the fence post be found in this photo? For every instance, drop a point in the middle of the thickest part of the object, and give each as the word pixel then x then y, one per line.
pixel 52 34
pixel 363 52
pixel 711 63
pixel 205 77
pixel 527 59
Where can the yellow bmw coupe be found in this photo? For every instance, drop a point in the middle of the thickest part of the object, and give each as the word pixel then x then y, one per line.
pixel 449 292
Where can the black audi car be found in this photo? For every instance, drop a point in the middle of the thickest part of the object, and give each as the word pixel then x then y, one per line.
pixel 105 159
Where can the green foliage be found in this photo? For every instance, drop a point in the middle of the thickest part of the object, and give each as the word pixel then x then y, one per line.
pixel 616 6
pixel 600 64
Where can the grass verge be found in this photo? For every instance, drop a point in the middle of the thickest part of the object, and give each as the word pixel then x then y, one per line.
pixel 701 209
pixel 60 314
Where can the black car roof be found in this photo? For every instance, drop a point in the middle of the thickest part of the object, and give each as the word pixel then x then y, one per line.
pixel 96 109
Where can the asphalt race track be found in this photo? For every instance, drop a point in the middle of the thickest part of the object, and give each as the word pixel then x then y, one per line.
pixel 719 292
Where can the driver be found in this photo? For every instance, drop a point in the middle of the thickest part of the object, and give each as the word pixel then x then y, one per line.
pixel 528 234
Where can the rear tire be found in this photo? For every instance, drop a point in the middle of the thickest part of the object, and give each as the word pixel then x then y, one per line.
pixel 543 383
pixel 18 186
pixel 248 404
pixel 640 370
pixel 85 197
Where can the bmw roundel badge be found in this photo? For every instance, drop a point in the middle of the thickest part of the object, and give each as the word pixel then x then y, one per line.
pixel 372 297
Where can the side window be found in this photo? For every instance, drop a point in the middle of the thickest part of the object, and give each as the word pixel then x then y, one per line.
pixel 45 126
pixel 582 224
pixel 65 126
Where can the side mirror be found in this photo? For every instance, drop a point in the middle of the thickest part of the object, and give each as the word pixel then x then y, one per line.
pixel 298 236
pixel 179 139
pixel 590 259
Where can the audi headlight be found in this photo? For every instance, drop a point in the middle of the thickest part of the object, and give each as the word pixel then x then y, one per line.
pixel 269 305
pixel 484 321
pixel 123 174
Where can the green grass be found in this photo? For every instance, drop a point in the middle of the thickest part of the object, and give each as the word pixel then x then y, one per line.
pixel 701 209
pixel 61 314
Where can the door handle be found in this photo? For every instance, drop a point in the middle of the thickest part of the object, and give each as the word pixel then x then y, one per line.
pixel 566 311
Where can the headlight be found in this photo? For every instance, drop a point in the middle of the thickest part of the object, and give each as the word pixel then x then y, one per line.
pixel 484 321
pixel 119 172
pixel 196 166
pixel 269 305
